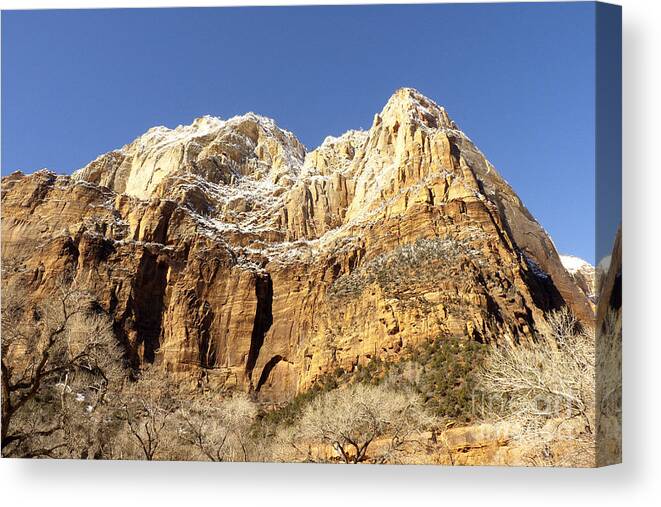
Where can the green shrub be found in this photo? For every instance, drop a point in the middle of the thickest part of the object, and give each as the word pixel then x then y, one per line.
pixel 449 377
pixel 442 371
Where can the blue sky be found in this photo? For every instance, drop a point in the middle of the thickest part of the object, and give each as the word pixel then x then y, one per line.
pixel 517 78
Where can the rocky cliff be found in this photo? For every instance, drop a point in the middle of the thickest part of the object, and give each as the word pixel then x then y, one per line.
pixel 227 254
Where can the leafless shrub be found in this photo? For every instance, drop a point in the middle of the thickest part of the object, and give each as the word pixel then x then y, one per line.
pixel 548 389
pixel 352 419
pixel 220 431
pixel 148 409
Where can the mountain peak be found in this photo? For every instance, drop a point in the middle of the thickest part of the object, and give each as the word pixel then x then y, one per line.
pixel 406 92
pixel 408 105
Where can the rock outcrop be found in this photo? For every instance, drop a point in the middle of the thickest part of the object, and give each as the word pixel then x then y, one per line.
pixel 226 253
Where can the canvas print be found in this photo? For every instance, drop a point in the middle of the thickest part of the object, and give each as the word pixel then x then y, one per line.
pixel 383 234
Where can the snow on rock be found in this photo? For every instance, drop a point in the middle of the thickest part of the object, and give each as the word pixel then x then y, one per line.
pixel 574 264
pixel 409 105
pixel 535 268
pixel 248 145
pixel 335 154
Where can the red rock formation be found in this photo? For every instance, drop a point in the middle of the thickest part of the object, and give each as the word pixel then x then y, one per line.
pixel 226 253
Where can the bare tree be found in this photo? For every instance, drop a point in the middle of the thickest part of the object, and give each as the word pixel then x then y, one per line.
pixel 220 431
pixel 53 352
pixel 351 419
pixel 148 409
pixel 546 391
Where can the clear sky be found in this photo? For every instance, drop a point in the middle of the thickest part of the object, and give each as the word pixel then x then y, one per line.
pixel 517 78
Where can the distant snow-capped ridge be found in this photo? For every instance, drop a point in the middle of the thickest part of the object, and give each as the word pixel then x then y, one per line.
pixel 583 274
pixel 574 264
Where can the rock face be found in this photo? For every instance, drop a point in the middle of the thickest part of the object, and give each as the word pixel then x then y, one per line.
pixel 228 254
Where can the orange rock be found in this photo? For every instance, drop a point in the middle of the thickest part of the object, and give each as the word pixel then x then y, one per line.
pixel 223 249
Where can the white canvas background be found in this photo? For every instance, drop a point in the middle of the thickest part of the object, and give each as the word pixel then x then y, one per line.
pixel 636 482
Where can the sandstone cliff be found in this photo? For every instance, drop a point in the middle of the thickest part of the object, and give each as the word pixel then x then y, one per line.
pixel 226 253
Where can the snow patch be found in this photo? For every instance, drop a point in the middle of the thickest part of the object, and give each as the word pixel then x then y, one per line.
pixel 574 264
pixel 536 268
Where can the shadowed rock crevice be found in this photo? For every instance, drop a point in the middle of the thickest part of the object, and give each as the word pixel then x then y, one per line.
pixel 545 293
pixel 263 320
pixel 207 345
pixel 268 368
pixel 148 290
